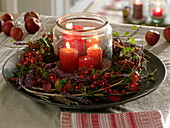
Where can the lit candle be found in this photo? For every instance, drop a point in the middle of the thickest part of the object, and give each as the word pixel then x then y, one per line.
pixel 76 27
pixel 75 40
pixel 157 12
pixel 91 42
pixel 137 9
pixel 138 2
pixel 96 53
pixel 86 61
pixel 69 25
pixel 68 59
pixel 73 27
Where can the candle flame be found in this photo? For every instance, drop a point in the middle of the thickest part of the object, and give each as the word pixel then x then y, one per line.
pixel 138 2
pixel 69 25
pixel 96 46
pixel 67 45
pixel 158 3
pixel 96 37
pixel 85 58
pixel 158 9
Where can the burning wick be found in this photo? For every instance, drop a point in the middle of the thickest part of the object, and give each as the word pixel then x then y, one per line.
pixel 68 45
pixel 69 25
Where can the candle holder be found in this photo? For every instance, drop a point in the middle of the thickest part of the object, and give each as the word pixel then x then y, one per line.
pixel 87 34
pixel 137 14
pixel 157 10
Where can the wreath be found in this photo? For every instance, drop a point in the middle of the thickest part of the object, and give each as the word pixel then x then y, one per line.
pixel 38 72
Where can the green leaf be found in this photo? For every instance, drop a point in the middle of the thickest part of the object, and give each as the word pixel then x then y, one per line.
pixel 126 49
pixel 104 49
pixel 134 27
pixel 152 78
pixel 126 33
pixel 90 92
pixel 132 40
pixel 11 40
pixel 44 41
pixel 93 72
pixel 42 50
pixel 37 52
pixel 115 34
pixel 63 82
pixel 30 71
pixel 113 76
pixel 28 42
pixel 127 80
pixel 57 83
pixel 45 74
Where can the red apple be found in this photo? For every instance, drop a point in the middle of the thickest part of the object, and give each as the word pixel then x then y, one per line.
pixel 17 33
pixel 166 33
pixel 32 25
pixel 152 37
pixel 31 14
pixel 6 28
pixel 7 16
pixel 1 23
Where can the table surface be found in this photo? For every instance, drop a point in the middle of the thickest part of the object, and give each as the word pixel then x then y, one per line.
pixel 19 111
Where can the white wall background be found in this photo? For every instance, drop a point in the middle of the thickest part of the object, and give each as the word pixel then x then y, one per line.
pixel 46 7
pixel 42 6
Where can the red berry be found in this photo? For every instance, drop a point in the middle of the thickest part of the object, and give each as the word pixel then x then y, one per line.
pixel 114 98
pixel 77 88
pixel 68 87
pixel 26 63
pixel 135 77
pixel 95 82
pixel 89 78
pixel 107 75
pixel 47 86
pixel 134 87
pixel 95 77
pixel 92 86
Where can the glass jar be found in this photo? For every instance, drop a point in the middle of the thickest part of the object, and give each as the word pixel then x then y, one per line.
pixel 83 35
pixel 157 10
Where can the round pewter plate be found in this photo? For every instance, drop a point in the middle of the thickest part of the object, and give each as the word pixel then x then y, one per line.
pixel 147 87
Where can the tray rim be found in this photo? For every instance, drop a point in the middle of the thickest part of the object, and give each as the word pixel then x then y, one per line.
pixel 95 106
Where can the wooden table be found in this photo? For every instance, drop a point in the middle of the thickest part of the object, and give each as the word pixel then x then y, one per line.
pixel 19 111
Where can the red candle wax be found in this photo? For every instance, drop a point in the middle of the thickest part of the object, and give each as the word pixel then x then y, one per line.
pixel 96 53
pixel 157 12
pixel 92 42
pixel 76 41
pixel 68 59
pixel 78 44
pixel 86 61
pixel 137 10
pixel 76 27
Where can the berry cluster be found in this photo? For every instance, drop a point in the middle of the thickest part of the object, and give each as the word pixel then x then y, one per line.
pixel 39 71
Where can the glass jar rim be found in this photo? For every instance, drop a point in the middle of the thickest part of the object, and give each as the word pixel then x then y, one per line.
pixel 105 21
